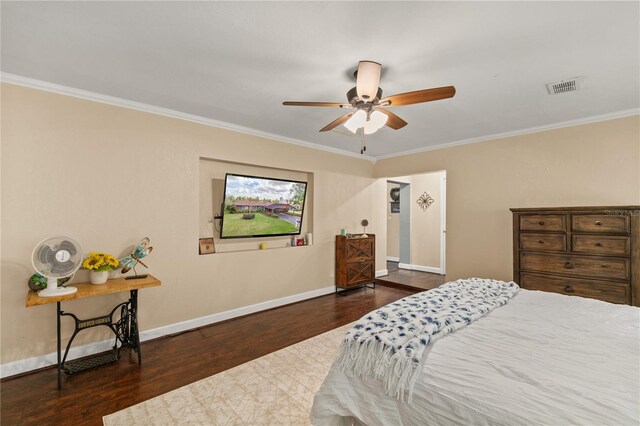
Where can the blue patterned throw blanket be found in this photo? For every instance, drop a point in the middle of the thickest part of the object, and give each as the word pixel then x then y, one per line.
pixel 388 344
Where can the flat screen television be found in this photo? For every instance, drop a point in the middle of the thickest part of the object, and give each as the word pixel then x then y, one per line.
pixel 256 206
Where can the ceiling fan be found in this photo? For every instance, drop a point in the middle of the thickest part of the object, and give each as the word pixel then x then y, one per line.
pixel 367 101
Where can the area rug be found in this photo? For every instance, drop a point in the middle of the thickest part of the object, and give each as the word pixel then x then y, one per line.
pixel 276 389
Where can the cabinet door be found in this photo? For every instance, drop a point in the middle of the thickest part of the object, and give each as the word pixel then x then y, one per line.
pixel 359 249
pixel 359 272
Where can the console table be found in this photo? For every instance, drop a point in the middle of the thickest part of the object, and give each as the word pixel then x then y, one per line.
pixel 125 327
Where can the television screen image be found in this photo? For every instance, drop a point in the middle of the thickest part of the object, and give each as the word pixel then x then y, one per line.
pixel 261 207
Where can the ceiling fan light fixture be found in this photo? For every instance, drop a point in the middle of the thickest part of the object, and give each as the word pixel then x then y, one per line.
pixel 356 121
pixel 376 121
pixel 368 80
pixel 369 128
pixel 379 119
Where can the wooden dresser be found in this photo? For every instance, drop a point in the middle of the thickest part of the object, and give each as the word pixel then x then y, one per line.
pixel 583 251
pixel 355 261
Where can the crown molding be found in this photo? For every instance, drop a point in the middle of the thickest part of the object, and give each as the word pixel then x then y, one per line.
pixel 152 109
pixel 560 125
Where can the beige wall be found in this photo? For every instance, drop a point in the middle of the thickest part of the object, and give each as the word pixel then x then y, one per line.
pixel 425 224
pixel 108 176
pixel 593 164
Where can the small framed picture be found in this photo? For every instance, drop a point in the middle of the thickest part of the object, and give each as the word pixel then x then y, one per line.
pixel 207 246
pixel 395 207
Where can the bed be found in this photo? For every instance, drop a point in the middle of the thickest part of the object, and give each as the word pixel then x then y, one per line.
pixel 542 358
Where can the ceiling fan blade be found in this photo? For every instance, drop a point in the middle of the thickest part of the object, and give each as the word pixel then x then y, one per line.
pixel 393 121
pixel 335 123
pixel 316 104
pixel 368 80
pixel 420 96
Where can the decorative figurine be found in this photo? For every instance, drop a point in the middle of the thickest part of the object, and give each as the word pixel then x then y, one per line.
pixel 133 259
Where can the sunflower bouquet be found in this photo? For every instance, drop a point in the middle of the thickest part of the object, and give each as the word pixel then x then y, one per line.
pixel 98 261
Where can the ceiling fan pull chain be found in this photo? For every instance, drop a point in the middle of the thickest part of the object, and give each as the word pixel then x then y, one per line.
pixel 363 145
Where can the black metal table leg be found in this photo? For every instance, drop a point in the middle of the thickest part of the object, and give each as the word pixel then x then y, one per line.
pixel 134 324
pixel 59 347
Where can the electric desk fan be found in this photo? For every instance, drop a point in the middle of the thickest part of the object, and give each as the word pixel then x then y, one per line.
pixel 56 257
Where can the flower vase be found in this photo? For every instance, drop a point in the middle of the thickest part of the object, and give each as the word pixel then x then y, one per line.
pixel 98 277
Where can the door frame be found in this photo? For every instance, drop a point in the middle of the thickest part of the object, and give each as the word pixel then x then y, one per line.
pixel 443 222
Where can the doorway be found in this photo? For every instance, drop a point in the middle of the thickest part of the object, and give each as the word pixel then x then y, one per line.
pixel 416 222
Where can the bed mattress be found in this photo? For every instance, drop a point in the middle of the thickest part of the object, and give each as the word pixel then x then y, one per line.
pixel 543 358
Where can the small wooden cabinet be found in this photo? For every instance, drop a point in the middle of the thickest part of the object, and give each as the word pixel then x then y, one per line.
pixel 355 261
pixel 582 251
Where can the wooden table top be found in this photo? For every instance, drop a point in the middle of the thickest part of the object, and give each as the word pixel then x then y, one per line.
pixel 89 290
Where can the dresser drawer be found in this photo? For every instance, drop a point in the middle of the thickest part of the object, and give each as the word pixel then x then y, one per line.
pixel 585 266
pixel 601 290
pixel 543 242
pixel 599 223
pixel 601 244
pixel 546 222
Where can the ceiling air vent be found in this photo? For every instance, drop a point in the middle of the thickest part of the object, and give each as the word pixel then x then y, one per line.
pixel 563 86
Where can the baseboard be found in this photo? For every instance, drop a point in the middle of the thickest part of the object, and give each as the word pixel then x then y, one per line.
pixel 393 259
pixel 41 361
pixel 382 273
pixel 420 268
pixel 34 363
pixel 426 269
pixel 234 313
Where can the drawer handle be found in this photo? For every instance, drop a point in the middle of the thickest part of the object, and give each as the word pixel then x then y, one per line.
pixel 599 223
pixel 541 241
pixel 569 289
pixel 603 266
pixel 541 222
pixel 568 265
pixel 599 244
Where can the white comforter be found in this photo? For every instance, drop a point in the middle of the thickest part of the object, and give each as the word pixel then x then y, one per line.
pixel 542 358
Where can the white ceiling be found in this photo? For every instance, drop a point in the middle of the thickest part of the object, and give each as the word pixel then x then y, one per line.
pixel 236 62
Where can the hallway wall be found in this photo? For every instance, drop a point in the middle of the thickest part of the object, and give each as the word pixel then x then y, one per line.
pixel 393 227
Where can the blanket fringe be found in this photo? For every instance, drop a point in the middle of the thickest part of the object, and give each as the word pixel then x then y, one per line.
pixel 375 360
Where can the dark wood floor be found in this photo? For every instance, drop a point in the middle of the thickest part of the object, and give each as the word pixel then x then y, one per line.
pixel 402 278
pixel 175 361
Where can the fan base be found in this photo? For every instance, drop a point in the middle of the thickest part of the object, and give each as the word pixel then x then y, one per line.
pixel 58 291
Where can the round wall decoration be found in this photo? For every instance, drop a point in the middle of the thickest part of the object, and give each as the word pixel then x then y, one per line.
pixel 395 194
